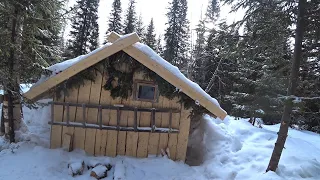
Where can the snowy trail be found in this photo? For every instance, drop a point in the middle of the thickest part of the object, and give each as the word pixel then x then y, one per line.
pixel 235 150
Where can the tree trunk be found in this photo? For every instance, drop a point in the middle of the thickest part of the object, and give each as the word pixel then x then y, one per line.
pixel 286 116
pixel 10 86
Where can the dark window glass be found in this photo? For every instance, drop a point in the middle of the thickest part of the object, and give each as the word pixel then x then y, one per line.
pixel 146 92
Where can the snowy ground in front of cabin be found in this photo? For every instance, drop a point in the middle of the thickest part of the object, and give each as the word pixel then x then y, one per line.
pixel 234 150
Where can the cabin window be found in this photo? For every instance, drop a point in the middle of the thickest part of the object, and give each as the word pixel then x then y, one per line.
pixel 146 91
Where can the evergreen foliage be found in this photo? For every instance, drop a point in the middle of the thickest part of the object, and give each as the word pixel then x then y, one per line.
pixel 263 65
pixel 85 29
pixel 140 29
pixel 150 37
pixel 159 47
pixel 177 35
pixel 213 10
pixel 115 21
pixel 30 38
pixel 130 22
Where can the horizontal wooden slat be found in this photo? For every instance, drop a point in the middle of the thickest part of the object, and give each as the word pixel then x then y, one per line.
pixel 117 128
pixel 123 108
pixel 166 74
pixel 89 60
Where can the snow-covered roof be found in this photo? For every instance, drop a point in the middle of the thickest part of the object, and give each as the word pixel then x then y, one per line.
pixel 142 53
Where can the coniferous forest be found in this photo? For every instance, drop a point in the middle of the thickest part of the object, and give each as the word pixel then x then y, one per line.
pixel 267 65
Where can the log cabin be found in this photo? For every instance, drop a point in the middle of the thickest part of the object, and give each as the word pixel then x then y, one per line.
pixel 144 123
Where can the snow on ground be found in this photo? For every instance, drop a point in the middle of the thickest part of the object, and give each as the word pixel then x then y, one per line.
pixel 234 150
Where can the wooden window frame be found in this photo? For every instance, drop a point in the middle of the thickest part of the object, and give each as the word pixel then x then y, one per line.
pixel 138 83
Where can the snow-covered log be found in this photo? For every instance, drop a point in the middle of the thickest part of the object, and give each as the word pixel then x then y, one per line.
pixel 76 168
pixel 99 172
pixel 93 163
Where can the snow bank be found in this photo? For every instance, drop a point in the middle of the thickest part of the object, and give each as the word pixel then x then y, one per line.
pixel 237 150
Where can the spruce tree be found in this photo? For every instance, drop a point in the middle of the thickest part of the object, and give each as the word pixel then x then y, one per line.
pixel 196 69
pixel 177 35
pixel 213 10
pixel 306 113
pixel 159 47
pixel 150 37
pixel 130 22
pixel 140 29
pixel 262 67
pixel 84 33
pixel 29 36
pixel 115 21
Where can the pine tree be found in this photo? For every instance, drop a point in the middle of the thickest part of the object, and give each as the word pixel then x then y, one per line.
pixel 196 69
pixel 130 22
pixel 262 68
pixel 177 35
pixel 115 21
pixel 150 37
pixel 140 29
pixel 213 10
pixel 306 113
pixel 84 33
pixel 29 40
pixel 159 47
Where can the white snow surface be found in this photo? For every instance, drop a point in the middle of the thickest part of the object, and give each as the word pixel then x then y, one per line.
pixel 234 150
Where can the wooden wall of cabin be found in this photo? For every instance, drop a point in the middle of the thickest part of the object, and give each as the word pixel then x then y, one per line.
pixel 111 142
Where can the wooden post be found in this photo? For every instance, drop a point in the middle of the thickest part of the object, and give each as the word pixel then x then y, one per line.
pixel 135 119
pixel 68 114
pixel 52 113
pixel 153 120
pixel 100 116
pixel 84 115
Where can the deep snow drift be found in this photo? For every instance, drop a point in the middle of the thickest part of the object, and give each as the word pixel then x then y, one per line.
pixel 234 150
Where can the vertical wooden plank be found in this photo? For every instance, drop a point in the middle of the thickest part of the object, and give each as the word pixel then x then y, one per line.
pixel 112 137
pixel 163 141
pixel 56 130
pixel 92 116
pixel 132 137
pixel 122 135
pixel 143 140
pixel 173 137
pixel 71 98
pixel 183 135
pixel 101 135
pixel 79 132
pixel 153 144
